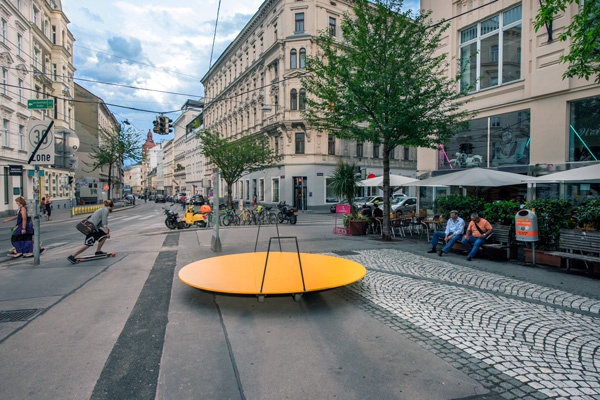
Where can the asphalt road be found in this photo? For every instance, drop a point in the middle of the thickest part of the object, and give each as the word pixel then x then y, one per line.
pixel 127 328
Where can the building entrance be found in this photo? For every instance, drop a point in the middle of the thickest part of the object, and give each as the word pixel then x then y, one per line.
pixel 300 186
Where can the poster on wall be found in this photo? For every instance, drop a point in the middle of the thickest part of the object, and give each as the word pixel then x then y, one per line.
pixel 509 139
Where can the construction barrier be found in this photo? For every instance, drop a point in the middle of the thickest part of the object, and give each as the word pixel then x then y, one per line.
pixel 84 209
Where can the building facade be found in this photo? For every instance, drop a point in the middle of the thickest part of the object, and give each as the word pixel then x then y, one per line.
pixel 36 58
pixel 528 119
pixel 254 89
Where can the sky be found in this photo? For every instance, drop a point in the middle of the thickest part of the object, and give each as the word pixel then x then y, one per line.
pixel 152 44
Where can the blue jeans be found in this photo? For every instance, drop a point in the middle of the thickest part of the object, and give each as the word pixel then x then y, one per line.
pixel 476 243
pixel 441 235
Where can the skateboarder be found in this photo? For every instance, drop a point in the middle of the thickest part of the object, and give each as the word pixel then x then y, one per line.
pixel 100 220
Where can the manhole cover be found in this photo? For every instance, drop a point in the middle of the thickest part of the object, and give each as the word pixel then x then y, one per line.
pixel 345 253
pixel 18 315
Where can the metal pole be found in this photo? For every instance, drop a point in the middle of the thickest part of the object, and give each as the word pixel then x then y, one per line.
pixel 215 244
pixel 533 253
pixel 36 218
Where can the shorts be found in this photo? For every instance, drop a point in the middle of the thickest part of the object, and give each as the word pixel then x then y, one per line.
pixel 94 237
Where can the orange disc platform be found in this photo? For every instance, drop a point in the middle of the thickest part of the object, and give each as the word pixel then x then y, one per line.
pixel 243 273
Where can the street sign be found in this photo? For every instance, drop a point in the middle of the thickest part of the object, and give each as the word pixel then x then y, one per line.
pixel 15 170
pixel 127 187
pixel 45 154
pixel 105 187
pixel 40 104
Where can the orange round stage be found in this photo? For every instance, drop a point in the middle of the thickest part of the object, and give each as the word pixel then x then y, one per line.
pixel 243 273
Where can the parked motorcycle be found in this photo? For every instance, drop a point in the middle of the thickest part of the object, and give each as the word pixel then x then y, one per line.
pixel 196 218
pixel 172 220
pixel 287 213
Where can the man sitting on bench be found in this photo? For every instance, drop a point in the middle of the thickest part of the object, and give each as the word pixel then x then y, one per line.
pixel 454 229
pixel 477 233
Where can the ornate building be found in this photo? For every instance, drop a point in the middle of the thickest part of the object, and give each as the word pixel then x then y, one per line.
pixel 254 89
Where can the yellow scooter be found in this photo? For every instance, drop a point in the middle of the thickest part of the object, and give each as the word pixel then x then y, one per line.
pixel 194 218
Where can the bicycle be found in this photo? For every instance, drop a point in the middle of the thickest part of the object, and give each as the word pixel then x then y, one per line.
pixel 265 216
pixel 247 217
pixel 229 217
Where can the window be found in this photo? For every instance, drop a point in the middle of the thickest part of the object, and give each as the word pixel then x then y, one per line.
pixel 20 90
pixel 330 196
pixel 5 132
pixel 247 190
pixel 21 137
pixel 299 143
pixel 36 58
pixel 299 22
pixel 293 59
pixel 35 15
pixel 53 34
pixel 302 58
pixel 331 145
pixel 359 149
pixel 507 135
pixel 261 190
pixel 4 80
pixel 302 99
pixel 584 130
pixel 3 31
pixel 19 40
pixel 275 189
pixel 54 72
pixel 490 52
pixel 375 151
pixel 407 153
pixel 332 26
pixel 275 31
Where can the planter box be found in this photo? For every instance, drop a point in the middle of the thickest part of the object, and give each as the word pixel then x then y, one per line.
pixel 542 258
pixel 358 228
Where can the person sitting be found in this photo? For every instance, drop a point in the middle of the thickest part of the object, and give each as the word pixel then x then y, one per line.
pixel 478 231
pixel 377 212
pixel 454 229
pixel 366 211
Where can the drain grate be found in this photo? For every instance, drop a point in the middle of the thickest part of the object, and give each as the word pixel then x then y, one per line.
pixel 18 315
pixel 345 253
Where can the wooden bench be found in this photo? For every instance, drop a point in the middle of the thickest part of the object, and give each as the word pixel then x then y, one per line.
pixel 575 244
pixel 499 240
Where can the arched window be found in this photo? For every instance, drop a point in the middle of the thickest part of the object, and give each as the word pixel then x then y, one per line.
pixel 293 59
pixel 302 58
pixel 302 99
pixel 293 99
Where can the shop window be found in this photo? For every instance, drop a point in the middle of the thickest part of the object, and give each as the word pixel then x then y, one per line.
pixel 275 189
pixel 584 130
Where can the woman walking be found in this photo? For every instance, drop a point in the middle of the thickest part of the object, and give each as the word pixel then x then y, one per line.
pixel 22 238
pixel 48 208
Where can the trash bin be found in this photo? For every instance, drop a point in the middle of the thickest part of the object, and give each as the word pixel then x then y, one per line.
pixel 526 226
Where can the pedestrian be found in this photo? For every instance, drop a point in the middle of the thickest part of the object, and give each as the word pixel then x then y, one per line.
pixel 454 229
pixel 254 201
pixel 100 220
pixel 43 205
pixel 48 208
pixel 477 233
pixel 22 237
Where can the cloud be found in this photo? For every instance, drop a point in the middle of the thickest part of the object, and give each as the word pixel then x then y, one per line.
pixel 126 50
pixel 91 15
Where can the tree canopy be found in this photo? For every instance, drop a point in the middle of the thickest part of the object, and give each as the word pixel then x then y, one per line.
pixel 583 58
pixel 236 157
pixel 383 82
pixel 114 149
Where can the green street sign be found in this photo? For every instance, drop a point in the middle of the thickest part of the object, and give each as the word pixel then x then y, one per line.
pixel 41 104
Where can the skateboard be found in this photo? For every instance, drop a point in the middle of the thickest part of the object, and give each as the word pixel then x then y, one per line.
pixel 89 258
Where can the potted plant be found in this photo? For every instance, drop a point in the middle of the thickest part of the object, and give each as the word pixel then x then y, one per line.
pixel 344 184
pixel 588 214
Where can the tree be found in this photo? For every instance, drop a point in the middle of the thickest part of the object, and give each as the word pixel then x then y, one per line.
pixel 584 32
pixel 383 83
pixel 344 183
pixel 235 158
pixel 114 149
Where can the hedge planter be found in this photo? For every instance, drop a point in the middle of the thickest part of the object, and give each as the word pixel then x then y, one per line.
pixel 542 258
pixel 358 228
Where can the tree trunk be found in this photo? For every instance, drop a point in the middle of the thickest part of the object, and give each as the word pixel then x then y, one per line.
pixel 386 234
pixel 229 195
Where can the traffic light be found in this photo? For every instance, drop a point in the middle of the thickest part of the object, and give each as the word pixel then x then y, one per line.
pixel 162 126
pixel 155 129
pixel 168 125
pixel 70 180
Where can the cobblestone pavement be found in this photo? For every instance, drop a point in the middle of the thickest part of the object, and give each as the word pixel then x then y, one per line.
pixel 521 340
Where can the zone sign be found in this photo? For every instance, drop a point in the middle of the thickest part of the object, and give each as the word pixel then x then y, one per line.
pixel 45 154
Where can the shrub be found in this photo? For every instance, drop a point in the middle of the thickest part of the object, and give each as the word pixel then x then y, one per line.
pixel 465 205
pixel 589 213
pixel 552 216
pixel 502 212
